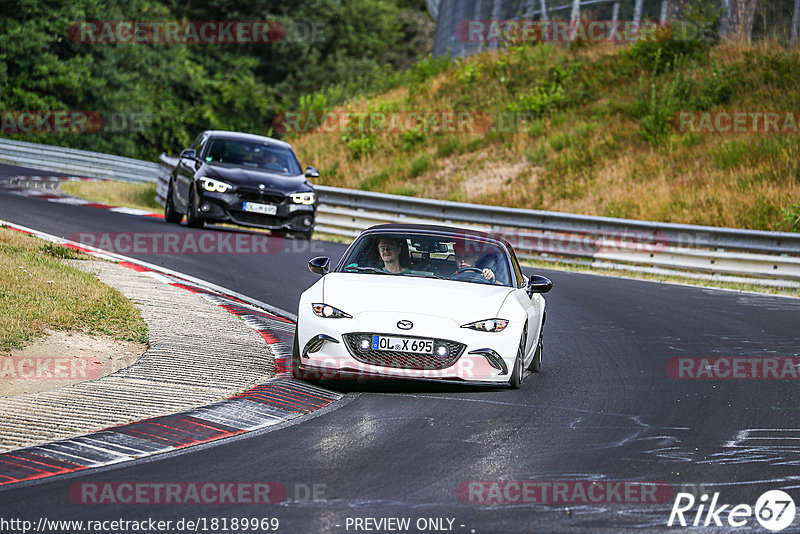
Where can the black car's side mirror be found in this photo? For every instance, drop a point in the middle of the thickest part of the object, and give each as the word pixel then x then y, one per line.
pixel 189 153
pixel 319 265
pixel 538 284
pixel 311 172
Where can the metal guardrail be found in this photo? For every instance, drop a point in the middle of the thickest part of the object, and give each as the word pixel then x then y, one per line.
pixel 772 256
pixel 684 235
pixel 77 162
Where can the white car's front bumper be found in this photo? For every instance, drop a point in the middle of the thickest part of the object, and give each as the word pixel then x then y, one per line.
pixel 334 351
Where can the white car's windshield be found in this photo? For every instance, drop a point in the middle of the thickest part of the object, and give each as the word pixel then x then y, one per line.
pixel 461 258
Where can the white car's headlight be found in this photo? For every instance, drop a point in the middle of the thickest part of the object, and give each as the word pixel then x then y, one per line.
pixel 209 184
pixel 303 198
pixel 488 325
pixel 329 312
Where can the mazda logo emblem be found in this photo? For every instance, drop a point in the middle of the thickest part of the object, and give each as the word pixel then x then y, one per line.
pixel 262 187
pixel 405 325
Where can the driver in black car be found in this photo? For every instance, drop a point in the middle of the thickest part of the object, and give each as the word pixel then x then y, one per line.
pixel 270 161
pixel 465 262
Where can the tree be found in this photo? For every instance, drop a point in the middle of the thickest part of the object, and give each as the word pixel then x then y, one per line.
pixel 179 89
pixel 741 19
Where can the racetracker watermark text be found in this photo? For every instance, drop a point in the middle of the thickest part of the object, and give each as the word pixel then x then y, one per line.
pixel 72 122
pixel 734 368
pixel 562 31
pixel 736 122
pixel 391 122
pixel 182 242
pixel 49 368
pixel 194 32
pixel 566 491
pixel 147 493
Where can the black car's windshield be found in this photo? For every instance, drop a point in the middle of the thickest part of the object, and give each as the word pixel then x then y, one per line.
pixel 256 155
pixel 461 258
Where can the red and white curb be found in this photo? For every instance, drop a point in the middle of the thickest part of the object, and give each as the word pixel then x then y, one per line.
pixel 276 401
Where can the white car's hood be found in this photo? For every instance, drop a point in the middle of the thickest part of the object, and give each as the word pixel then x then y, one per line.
pixel 461 301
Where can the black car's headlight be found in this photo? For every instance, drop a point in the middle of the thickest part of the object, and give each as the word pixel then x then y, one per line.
pixel 215 186
pixel 307 198
pixel 487 325
pixel 329 312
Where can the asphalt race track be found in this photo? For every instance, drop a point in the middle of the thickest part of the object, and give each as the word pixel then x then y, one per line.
pixel 604 408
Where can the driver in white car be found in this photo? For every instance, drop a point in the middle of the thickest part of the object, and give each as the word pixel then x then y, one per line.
pixel 466 259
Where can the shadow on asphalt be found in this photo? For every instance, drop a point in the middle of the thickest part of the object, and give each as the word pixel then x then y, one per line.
pixel 388 385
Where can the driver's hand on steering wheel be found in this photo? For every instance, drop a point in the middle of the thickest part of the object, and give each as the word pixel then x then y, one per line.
pixel 488 274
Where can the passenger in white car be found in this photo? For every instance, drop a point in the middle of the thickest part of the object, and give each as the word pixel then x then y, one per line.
pixel 395 258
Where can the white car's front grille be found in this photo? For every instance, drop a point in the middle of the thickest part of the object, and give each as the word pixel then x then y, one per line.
pixel 402 360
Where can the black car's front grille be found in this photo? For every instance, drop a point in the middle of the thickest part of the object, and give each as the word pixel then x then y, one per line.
pixel 254 195
pixel 391 358
pixel 258 219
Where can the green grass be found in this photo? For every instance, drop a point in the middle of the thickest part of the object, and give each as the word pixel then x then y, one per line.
pixel 126 194
pixel 420 165
pixel 39 291
pixel 596 133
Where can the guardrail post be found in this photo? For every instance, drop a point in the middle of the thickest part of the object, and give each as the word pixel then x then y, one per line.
pixel 574 19
pixel 495 16
pixel 637 16
pixel 615 16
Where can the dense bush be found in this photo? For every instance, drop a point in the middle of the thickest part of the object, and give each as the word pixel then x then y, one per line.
pixel 691 37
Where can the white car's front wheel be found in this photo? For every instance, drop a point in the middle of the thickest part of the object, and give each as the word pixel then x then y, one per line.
pixel 536 363
pixel 296 358
pixel 515 381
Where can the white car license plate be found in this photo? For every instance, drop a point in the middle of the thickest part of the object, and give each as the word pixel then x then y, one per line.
pixel 402 344
pixel 266 209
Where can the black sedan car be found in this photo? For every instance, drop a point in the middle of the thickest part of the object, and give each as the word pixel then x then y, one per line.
pixel 245 179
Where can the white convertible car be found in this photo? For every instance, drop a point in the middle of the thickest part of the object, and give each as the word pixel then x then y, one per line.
pixel 422 302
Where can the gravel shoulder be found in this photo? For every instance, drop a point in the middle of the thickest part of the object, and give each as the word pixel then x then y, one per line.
pixel 198 353
pixel 64 359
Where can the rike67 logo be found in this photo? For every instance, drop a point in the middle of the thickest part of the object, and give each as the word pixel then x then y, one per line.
pixel 774 510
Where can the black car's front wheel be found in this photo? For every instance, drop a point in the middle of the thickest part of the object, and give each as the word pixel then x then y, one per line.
pixel 193 218
pixel 303 236
pixel 294 234
pixel 171 215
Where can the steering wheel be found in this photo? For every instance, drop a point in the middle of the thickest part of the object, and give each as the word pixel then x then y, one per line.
pixel 469 273
pixel 473 274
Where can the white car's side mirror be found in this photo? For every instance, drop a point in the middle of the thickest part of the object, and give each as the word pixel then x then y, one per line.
pixel 319 265
pixel 538 284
